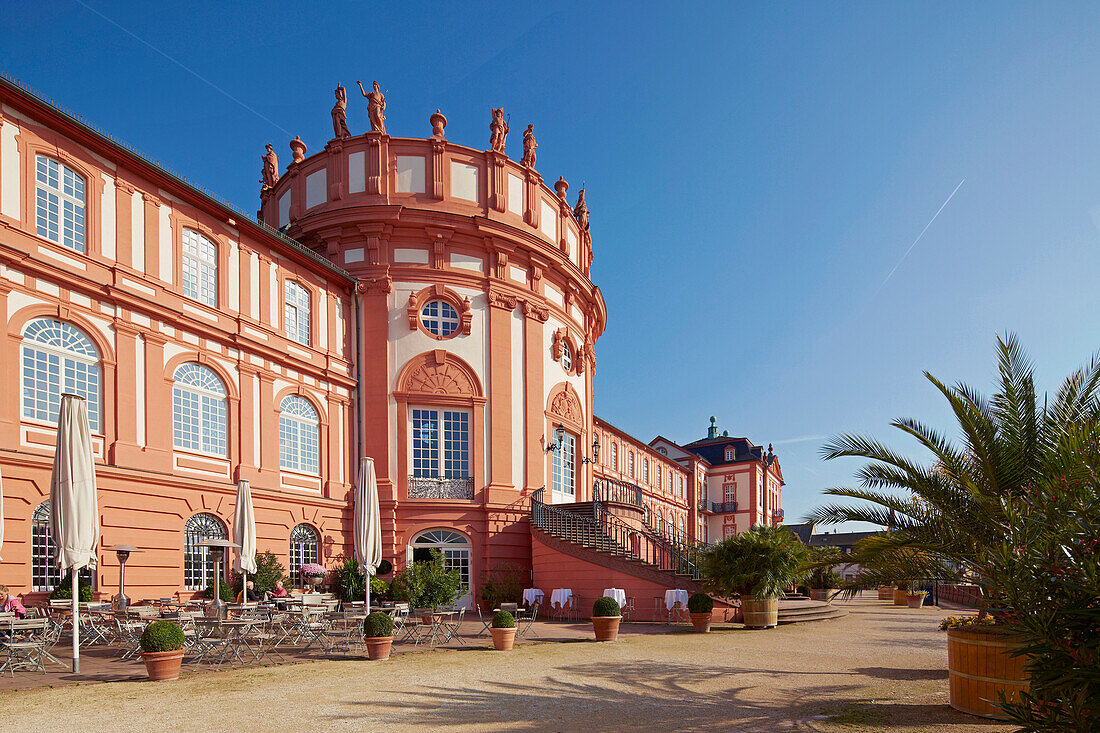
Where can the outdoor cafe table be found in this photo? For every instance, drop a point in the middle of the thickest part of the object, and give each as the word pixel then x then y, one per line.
pixel 673 596
pixel 618 594
pixel 532 596
pixel 561 596
pixel 234 635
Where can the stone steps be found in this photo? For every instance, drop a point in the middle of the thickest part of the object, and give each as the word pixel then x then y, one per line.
pixel 799 611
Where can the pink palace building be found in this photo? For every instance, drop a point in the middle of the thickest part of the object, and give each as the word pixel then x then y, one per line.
pixel 414 300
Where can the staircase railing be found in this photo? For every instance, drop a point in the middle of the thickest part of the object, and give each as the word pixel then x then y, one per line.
pixel 617 491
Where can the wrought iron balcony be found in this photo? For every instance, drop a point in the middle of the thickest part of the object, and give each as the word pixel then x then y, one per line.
pixel 434 487
pixel 725 507
pixel 703 505
pixel 617 491
pixel 778 513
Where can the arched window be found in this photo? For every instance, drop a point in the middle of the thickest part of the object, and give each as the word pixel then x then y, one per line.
pixel 439 318
pixel 59 203
pixel 305 547
pixel 200 268
pixel 199 410
pixel 296 312
pixel 58 358
pixel 299 431
pixel 456 554
pixel 198 565
pixel 44 572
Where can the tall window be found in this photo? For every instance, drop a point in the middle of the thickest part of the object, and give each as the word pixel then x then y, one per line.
pixel 659 483
pixel 305 547
pixel 44 572
pixel 59 203
pixel 299 431
pixel 630 463
pixel 58 358
pixel 729 493
pixel 565 466
pixel 456 556
pixel 729 454
pixel 198 565
pixel 566 357
pixel 296 312
pixel 199 410
pixel 441 447
pixel 614 456
pixel 439 318
pixel 200 268
pixel 645 470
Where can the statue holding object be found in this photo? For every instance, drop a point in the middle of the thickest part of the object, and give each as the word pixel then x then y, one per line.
pixel 270 169
pixel 581 212
pixel 498 131
pixel 376 105
pixel 340 114
pixel 529 146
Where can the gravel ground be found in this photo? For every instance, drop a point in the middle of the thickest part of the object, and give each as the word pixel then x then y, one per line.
pixel 879 668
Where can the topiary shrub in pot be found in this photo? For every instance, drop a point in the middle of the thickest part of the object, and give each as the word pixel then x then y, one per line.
pixel 378 634
pixel 606 616
pixel 504 631
pixel 162 650
pixel 700 606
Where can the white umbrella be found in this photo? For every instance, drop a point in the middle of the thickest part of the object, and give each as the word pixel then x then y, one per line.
pixel 244 531
pixel 367 529
pixel 74 507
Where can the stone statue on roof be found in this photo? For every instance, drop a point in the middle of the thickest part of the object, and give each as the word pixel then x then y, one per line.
pixel 376 105
pixel 271 167
pixel 498 131
pixel 529 146
pixel 340 114
pixel 581 212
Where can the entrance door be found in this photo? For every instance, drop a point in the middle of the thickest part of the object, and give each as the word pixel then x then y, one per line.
pixel 456 555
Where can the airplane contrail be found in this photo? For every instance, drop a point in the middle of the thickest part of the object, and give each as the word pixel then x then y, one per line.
pixel 922 231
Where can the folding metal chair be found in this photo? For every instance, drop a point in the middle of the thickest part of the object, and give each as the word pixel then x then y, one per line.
pixel 526 622
pixel 485 625
pixel 452 628
pixel 25 645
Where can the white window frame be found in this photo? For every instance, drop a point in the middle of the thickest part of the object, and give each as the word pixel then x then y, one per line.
pixel 199 268
pixel 299 436
pixel 191 551
pixel 444 452
pixel 297 311
pixel 58 358
pixel 60 204
pixel 566 357
pixel 564 471
pixel 444 322
pixel 207 435
pixel 303 550
pixel 614 456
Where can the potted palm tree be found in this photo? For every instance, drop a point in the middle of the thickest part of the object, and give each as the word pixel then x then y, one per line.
pixel 378 635
pixel 700 608
pixel 756 565
pixel 504 631
pixel 606 616
pixel 162 650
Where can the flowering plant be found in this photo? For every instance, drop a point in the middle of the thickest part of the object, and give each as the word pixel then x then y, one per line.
pixel 960 622
pixel 312 568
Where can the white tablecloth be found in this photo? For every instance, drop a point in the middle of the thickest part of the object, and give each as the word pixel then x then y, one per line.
pixel 561 596
pixel 531 596
pixel 618 594
pixel 671 596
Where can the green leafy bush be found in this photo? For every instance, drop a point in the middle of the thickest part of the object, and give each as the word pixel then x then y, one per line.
pixel 700 603
pixel 226 592
pixel 64 589
pixel 268 571
pixel 606 606
pixel 504 583
pixel 759 563
pixel 377 624
pixel 427 584
pixel 350 586
pixel 503 620
pixel 162 636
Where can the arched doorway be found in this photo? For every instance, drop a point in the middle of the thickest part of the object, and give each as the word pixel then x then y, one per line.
pixel 456 551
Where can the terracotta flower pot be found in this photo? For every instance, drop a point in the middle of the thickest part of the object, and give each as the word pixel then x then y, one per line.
pixel 701 621
pixel 899 597
pixel 979 667
pixel 606 627
pixel 503 639
pixel 760 613
pixel 378 647
pixel 915 600
pixel 163 665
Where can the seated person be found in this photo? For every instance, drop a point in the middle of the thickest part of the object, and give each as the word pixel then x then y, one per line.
pixel 248 593
pixel 280 591
pixel 11 604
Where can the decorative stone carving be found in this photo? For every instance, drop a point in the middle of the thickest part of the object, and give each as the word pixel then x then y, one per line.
pixel 566 406
pixel 529 146
pixel 297 149
pixel 500 299
pixel 271 167
pixel 439 122
pixel 535 311
pixel 438 292
pixel 590 355
pixel 557 346
pixel 581 212
pixel 436 373
pixel 561 187
pixel 340 114
pixel 376 107
pixel 377 286
pixel 498 130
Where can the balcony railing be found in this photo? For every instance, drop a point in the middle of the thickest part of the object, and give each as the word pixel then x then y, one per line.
pixel 703 506
pixel 778 514
pixel 617 491
pixel 725 507
pixel 434 487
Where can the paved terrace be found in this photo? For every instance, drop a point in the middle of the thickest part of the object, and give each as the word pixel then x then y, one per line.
pixel 879 668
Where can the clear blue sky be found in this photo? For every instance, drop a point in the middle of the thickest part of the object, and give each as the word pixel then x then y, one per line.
pixel 754 172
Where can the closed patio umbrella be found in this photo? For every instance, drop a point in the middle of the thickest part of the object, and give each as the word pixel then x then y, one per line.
pixel 244 531
pixel 74 506
pixel 367 529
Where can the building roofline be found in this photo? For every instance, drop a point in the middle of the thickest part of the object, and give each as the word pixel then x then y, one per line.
pixel 640 442
pixel 48 107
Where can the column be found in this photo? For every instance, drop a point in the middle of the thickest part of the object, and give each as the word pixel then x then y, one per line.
pixel 535 316
pixel 501 487
pixel 125 449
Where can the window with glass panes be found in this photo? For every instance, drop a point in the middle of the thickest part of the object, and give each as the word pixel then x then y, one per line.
pixel 630 463
pixel 59 203
pixel 439 318
pixel 199 410
pixel 566 357
pixel 44 572
pixel 299 445
pixel 198 562
pixel 304 548
pixel 58 358
pixel 565 466
pixel 614 457
pixel 645 470
pixel 200 268
pixel 296 312
pixel 441 443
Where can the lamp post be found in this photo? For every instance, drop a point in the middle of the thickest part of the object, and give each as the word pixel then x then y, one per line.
pixel 559 438
pixel 121 602
pixel 595 452
pixel 219 546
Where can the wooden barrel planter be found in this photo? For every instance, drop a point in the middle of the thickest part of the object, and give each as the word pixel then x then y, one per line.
pixel 760 613
pixel 886 593
pixel 979 665
pixel 900 597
